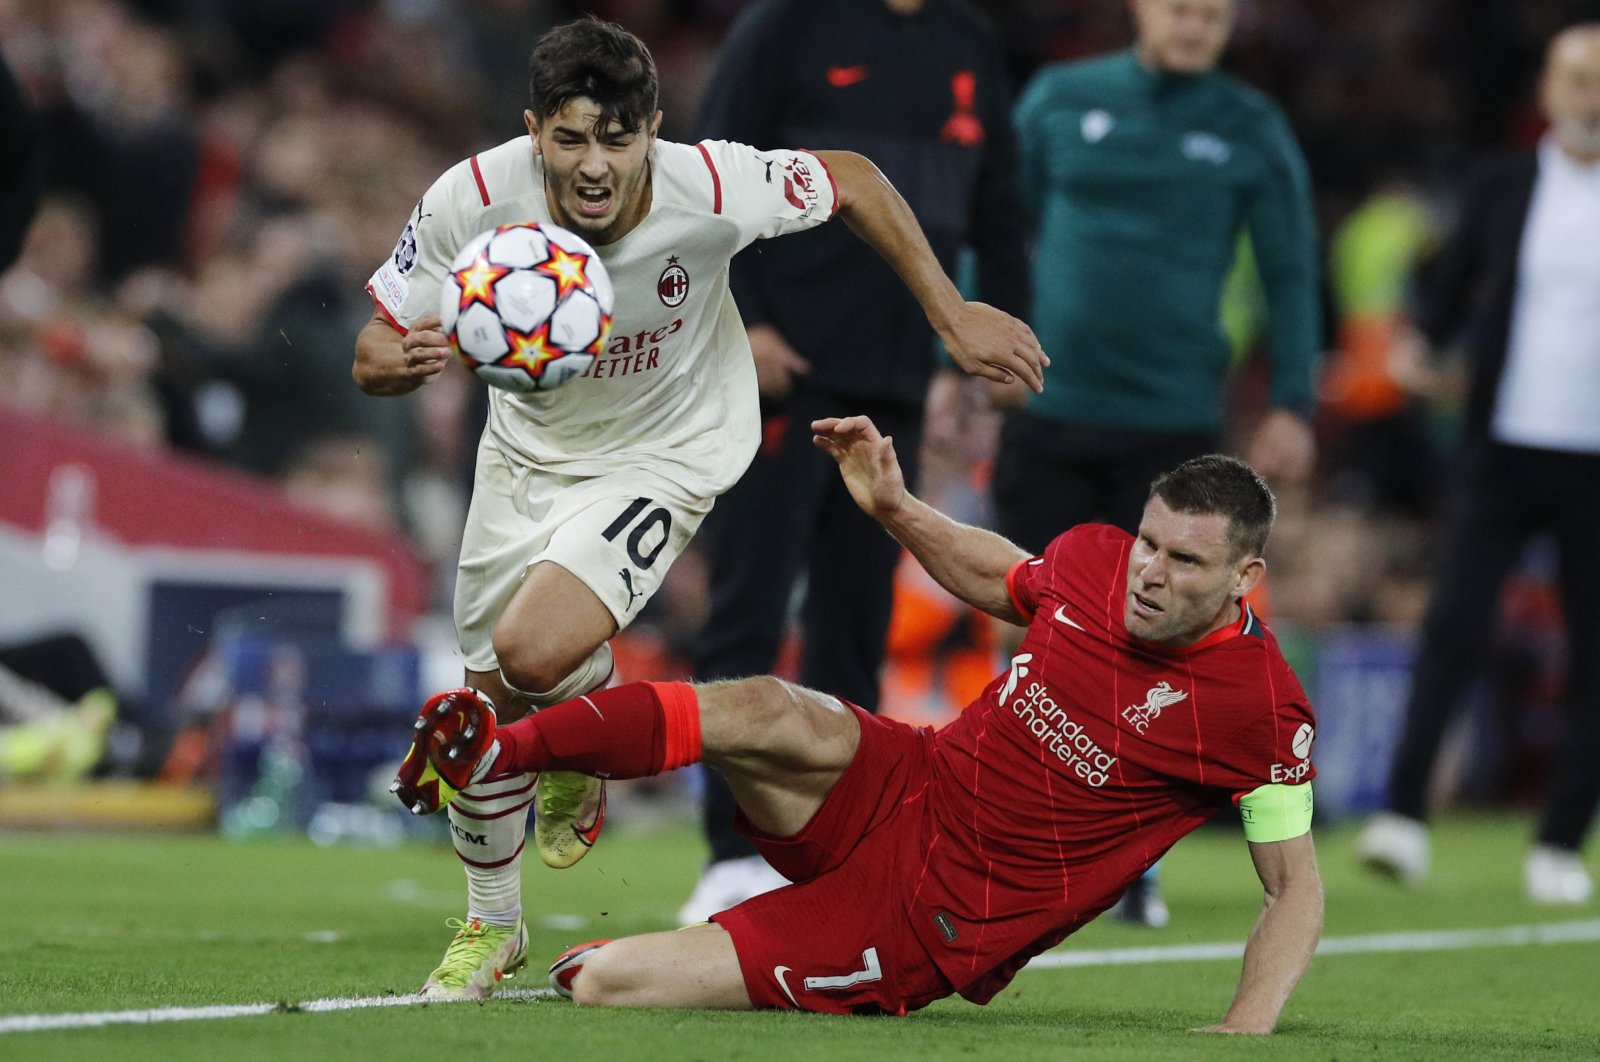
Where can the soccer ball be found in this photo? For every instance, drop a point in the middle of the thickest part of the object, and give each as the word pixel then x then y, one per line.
pixel 527 306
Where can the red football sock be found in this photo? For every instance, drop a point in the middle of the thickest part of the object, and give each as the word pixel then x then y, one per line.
pixel 630 731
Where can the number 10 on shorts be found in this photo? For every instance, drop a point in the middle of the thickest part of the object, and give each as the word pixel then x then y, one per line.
pixel 642 555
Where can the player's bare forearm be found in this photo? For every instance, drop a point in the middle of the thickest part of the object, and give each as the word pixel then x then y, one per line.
pixel 982 340
pixel 877 213
pixel 390 363
pixel 1284 938
pixel 969 562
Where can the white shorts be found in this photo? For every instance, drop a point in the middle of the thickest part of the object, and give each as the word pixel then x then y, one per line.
pixel 618 533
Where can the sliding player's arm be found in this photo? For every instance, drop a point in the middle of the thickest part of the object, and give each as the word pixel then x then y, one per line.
pixel 1286 933
pixel 969 562
pixel 982 340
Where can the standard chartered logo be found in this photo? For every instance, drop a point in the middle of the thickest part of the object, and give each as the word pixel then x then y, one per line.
pixel 1047 720
pixel 1019 671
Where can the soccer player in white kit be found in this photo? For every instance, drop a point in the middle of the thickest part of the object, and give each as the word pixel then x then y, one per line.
pixel 584 496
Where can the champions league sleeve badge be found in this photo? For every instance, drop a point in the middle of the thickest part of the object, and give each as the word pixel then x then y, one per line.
pixel 405 250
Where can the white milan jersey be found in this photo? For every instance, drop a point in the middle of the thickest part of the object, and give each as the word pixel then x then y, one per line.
pixel 677 383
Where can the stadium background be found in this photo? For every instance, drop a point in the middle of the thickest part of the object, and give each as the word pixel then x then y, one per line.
pixel 260 556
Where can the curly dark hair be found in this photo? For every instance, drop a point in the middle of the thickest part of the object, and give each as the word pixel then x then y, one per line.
pixel 598 60
pixel 1217 483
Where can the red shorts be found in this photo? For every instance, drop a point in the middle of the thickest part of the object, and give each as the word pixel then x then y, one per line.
pixel 838 941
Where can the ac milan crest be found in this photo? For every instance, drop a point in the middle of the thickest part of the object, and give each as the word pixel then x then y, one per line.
pixel 673 284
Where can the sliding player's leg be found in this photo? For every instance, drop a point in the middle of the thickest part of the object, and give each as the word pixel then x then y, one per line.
pixel 782 747
pixel 837 941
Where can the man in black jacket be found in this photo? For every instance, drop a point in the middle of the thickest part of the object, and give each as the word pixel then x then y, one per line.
pixel 919 86
pixel 1520 267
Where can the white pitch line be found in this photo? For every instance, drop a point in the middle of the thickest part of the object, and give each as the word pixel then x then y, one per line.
pixel 1444 940
pixel 94 1019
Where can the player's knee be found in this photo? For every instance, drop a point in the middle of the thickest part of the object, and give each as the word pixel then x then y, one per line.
pixel 756 713
pixel 526 667
pixel 542 683
pixel 605 979
pixel 767 699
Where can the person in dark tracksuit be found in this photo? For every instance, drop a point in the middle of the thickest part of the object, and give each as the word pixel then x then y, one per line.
pixel 920 87
pixel 1140 171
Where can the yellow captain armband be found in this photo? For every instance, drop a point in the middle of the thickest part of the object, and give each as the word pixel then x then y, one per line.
pixel 1276 812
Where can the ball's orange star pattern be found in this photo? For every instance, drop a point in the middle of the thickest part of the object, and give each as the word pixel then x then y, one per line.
pixel 477 282
pixel 569 271
pixel 530 351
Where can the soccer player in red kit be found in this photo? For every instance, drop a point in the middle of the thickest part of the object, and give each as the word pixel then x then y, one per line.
pixel 1145 697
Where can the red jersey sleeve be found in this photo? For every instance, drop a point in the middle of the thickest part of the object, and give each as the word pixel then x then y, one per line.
pixel 1085 547
pixel 1022 583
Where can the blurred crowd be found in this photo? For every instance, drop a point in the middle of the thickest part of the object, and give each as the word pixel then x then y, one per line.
pixel 220 177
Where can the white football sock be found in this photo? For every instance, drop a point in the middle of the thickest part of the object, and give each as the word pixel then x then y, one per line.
pixel 488 825
pixel 489 820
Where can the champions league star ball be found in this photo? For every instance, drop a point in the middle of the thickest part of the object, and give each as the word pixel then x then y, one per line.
pixel 527 306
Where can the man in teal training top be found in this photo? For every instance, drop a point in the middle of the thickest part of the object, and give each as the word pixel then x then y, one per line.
pixel 1140 172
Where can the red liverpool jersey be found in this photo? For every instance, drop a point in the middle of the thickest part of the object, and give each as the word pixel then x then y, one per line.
pixel 1093 754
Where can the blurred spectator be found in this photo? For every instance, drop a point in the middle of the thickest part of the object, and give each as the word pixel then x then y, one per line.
pixel 1520 279
pixel 919 87
pixel 71 352
pixel 116 98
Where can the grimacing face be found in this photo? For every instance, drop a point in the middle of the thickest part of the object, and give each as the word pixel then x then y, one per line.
pixel 1182 36
pixel 1182 581
pixel 1570 91
pixel 597 181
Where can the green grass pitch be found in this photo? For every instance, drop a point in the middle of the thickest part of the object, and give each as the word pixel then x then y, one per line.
pixel 97 923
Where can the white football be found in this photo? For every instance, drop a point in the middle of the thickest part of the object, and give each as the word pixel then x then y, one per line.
pixel 527 306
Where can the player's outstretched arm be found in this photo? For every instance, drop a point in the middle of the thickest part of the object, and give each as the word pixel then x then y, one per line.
pixel 388 363
pixel 968 561
pixel 982 340
pixel 1284 937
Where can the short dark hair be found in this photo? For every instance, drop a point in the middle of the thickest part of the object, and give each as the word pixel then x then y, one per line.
pixel 1217 483
pixel 599 60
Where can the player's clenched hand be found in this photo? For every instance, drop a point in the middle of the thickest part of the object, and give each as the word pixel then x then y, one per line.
pixel 426 348
pixel 991 343
pixel 867 462
pixel 388 363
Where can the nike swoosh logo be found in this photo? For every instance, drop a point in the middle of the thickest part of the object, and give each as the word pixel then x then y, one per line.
pixel 777 973
pixel 845 76
pixel 1061 615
